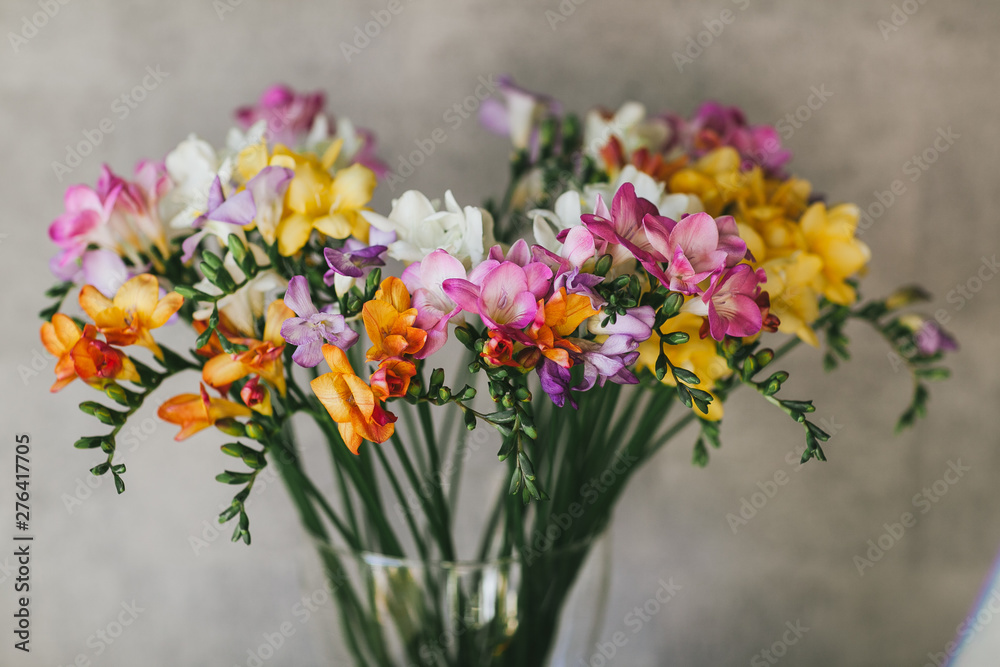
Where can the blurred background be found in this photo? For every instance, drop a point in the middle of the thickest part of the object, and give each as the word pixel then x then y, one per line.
pixel 909 94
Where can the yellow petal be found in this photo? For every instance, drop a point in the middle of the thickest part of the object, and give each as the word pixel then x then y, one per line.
pixel 353 186
pixel 222 369
pixel 93 302
pixel 332 153
pixel 277 313
pixel 167 306
pixel 139 295
pixel 293 233
pixel 335 225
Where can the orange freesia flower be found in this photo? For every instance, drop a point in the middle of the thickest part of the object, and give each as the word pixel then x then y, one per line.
pixel 351 403
pixel 194 412
pixel 256 397
pixel 389 321
pixel 262 358
pixel 392 379
pixel 559 317
pixel 136 309
pixel 82 355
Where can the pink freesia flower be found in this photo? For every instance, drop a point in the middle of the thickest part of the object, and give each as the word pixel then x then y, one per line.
pixel 697 247
pixel 289 115
pixel 435 308
pixel 714 125
pixel 731 303
pixel 620 231
pixel 84 221
pixel 504 294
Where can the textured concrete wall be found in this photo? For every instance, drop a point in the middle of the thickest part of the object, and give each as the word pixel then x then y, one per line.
pixel 892 91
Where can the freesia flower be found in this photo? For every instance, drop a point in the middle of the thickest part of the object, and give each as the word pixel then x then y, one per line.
pixel 503 294
pixel 627 130
pixel 355 259
pixel 82 355
pixel 928 336
pixel 289 115
pixel 192 167
pixel 696 247
pixel 351 403
pixel 554 320
pixel 311 327
pixel 714 125
pixel 263 357
pixel 636 323
pixel 392 379
pixel 84 221
pixel 135 310
pixel 731 303
pixel 673 205
pixel 519 115
pixel 435 309
pixel 830 235
pixel 421 229
pixel 620 231
pixel 105 270
pixel 246 305
pixel 195 412
pixel 389 321
pixel 256 397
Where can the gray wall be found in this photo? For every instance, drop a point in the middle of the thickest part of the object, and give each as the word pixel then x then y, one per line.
pixel 891 92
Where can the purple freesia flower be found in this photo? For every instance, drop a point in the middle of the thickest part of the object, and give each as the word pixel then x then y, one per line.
pixel 601 362
pixel 354 260
pixel 519 115
pixel 105 270
pixel 931 339
pixel 312 328
pixel 636 324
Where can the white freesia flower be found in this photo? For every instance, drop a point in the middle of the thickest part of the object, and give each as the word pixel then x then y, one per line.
pixel 672 206
pixel 629 124
pixel 547 224
pixel 466 233
pixel 192 167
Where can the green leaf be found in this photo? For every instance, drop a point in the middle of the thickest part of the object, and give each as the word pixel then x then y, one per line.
pixel 119 484
pixel 685 376
pixel 100 469
pixel 676 338
pixel 89 442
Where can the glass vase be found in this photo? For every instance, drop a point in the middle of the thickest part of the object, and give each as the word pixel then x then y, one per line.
pixel 531 612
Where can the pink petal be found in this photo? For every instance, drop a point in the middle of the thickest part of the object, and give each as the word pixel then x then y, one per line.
pixel 464 293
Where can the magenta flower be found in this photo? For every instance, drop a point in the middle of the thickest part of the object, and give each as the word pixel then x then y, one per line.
pixel 312 328
pixel 620 232
pixel 289 115
pixel 931 339
pixel 577 249
pixel 731 303
pixel 425 281
pixel 714 126
pixel 503 294
pixel 694 248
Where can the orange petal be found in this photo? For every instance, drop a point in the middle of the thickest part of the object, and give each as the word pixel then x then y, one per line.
pixel 277 313
pixel 364 398
pixel 393 291
pixel 351 437
pixel 223 369
pixel 333 393
pixel 337 359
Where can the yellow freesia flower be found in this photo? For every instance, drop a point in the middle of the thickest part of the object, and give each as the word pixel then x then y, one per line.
pixel 829 234
pixel 136 309
pixel 315 199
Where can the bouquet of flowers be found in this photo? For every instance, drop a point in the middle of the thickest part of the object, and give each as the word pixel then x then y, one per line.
pixel 636 264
